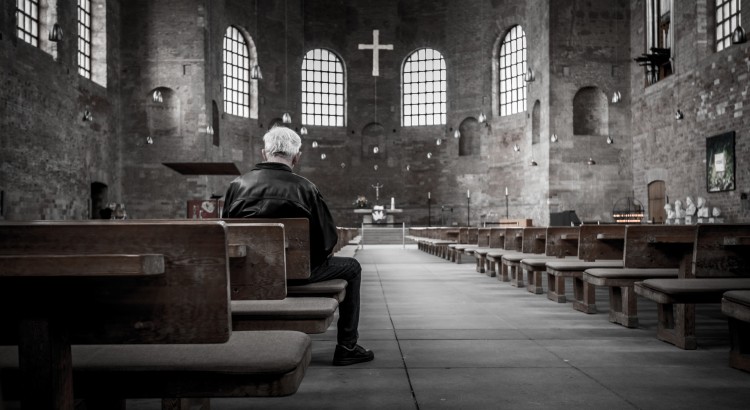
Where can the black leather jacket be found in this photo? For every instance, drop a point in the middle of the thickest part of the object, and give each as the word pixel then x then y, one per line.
pixel 272 190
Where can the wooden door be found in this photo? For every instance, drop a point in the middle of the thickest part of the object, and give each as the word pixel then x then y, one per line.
pixel 656 202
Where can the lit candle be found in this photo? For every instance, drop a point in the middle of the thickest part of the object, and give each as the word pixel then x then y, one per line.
pixel 468 193
pixel 506 191
pixel 393 203
pixel 428 195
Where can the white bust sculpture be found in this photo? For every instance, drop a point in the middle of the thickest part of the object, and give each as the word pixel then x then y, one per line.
pixel 668 210
pixel 678 211
pixel 716 212
pixel 689 207
pixel 702 208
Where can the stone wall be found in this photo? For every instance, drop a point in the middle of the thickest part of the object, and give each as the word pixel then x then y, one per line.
pixel 711 89
pixel 50 156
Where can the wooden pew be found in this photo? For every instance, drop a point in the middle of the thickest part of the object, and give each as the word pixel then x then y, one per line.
pixel 483 242
pixel 557 271
pixel 262 266
pixel 560 242
pixel 736 305
pixel 513 242
pixel 612 241
pixel 720 263
pixel 297 233
pixel 533 241
pixel 495 243
pixel 154 294
pixel 467 238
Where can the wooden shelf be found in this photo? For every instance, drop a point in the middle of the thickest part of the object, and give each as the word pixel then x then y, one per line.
pixel 204 168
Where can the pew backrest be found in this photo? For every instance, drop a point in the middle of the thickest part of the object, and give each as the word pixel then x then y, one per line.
pixel 497 238
pixel 722 250
pixel 533 240
pixel 657 246
pixel 601 242
pixel 193 288
pixel 514 239
pixel 562 241
pixel 297 233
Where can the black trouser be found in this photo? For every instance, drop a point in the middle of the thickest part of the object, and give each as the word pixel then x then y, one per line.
pixel 337 267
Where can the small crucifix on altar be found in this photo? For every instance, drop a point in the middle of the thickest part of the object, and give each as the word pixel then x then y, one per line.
pixel 375 47
pixel 377 187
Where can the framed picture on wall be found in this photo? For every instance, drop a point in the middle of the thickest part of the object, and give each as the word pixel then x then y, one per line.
pixel 720 162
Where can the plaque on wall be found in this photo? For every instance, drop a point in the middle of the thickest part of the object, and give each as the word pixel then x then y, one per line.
pixel 204 208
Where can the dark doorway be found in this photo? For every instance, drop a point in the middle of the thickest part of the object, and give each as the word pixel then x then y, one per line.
pixel 98 199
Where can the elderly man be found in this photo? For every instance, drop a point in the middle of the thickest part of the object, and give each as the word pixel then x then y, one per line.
pixel 272 190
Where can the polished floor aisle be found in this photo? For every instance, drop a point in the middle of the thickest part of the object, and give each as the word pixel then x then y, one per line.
pixel 448 337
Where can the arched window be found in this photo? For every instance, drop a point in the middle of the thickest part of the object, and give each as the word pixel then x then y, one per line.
pixel 323 89
pixel 236 73
pixel 27 21
pixel 424 84
pixel 84 38
pixel 512 70
pixel 728 16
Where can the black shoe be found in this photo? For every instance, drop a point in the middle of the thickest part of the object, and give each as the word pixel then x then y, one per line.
pixel 345 356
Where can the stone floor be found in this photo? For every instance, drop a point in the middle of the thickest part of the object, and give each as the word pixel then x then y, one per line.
pixel 445 336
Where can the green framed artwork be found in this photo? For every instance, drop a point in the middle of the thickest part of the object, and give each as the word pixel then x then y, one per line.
pixel 720 162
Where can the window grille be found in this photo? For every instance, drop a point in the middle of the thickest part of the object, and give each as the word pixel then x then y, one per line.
pixel 323 89
pixel 424 88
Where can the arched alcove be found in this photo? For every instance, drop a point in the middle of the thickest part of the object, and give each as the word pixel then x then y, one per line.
pixel 468 144
pixel 535 122
pixel 163 113
pixel 373 135
pixel 98 200
pixel 590 112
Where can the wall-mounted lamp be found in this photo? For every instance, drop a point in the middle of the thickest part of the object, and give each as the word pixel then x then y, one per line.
pixel 323 156
pixel 616 97
pixel 610 141
pixel 678 115
pixel 149 140
pixel 303 130
pixel 87 116
pixel 375 150
pixel 286 118
pixel 553 138
pixel 482 118
pixel 375 167
pixel 738 35
pixel 533 163
pixel 315 144
pixel 456 134
pixel 255 73
pixel 429 155
pixel 209 130
pixel 56 34
pixel 529 76
pixel 591 161
pixel 516 148
pixel 438 141
pixel 157 97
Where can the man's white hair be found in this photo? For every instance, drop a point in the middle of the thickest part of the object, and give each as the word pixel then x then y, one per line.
pixel 281 142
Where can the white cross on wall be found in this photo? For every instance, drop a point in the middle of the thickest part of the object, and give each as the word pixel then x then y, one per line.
pixel 375 47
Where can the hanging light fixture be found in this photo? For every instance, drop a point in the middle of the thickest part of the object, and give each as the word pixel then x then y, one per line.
pixel 529 76
pixel 149 140
pixel 375 167
pixel 678 115
pixel 438 142
pixel 553 138
pixel 157 97
pixel 408 167
pixel 323 156
pixel 286 118
pixel 255 72
pixel 516 148
pixel 429 155
pixel 375 150
pixel 616 97
pixel 738 35
pixel 456 134
pixel 56 34
pixel 87 116
pixel 303 130
pixel 610 141
pixel 482 118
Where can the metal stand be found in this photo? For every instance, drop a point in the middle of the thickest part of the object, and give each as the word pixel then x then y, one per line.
pixel 429 213
pixel 506 207
pixel 468 210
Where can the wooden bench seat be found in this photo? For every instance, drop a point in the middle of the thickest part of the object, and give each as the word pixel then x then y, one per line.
pixel 334 288
pixel 535 268
pixel 736 305
pixel 533 241
pixel 249 364
pixel 481 255
pixel 713 258
pixel 623 307
pixel 512 242
pixel 308 314
pixel 557 271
